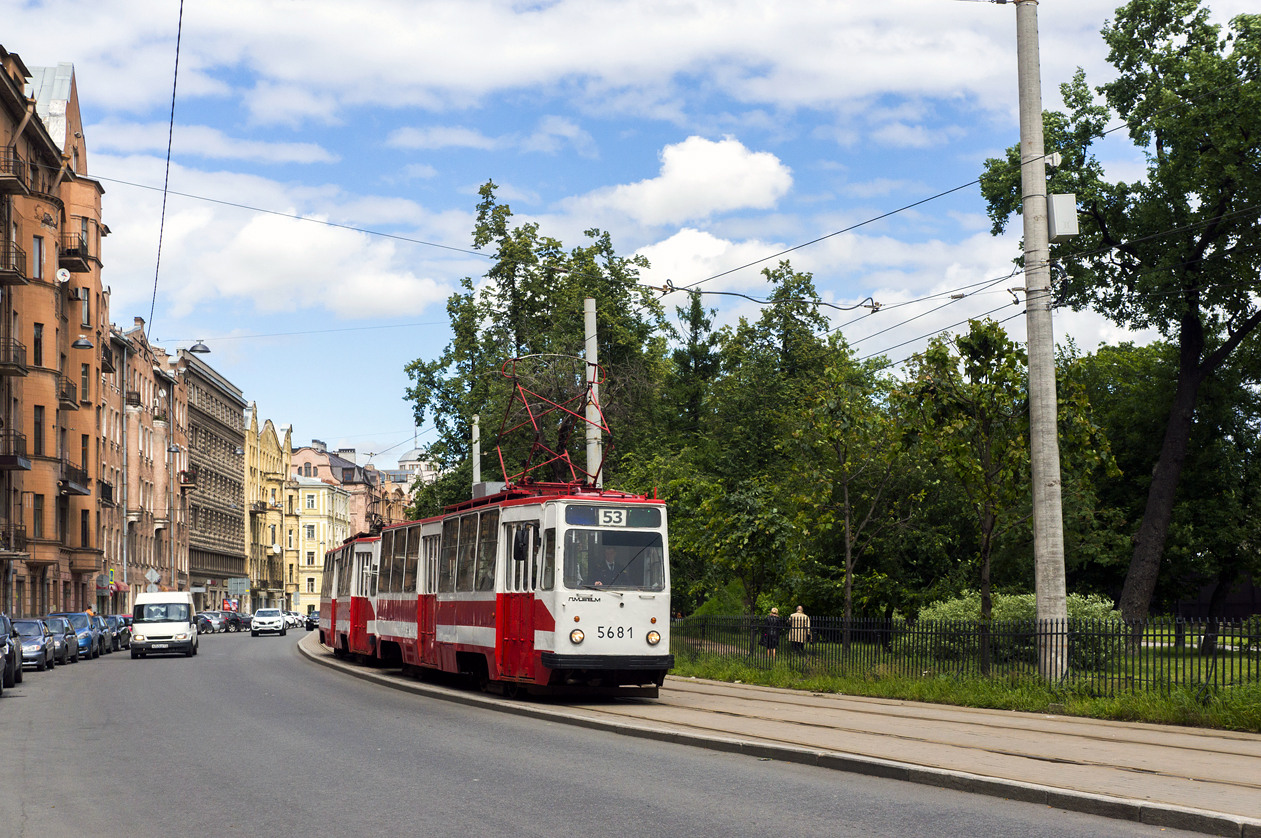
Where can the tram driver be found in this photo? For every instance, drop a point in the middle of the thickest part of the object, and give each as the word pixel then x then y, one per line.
pixel 606 570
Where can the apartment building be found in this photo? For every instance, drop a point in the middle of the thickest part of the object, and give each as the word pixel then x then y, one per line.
pixel 270 539
pixel 216 477
pixel 372 503
pixel 323 522
pixel 54 349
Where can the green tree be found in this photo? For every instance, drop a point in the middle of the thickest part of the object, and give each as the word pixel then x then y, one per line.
pixel 850 455
pixel 530 303
pixel 970 394
pixel 1179 250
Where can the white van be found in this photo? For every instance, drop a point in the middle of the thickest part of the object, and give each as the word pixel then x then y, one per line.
pixel 164 623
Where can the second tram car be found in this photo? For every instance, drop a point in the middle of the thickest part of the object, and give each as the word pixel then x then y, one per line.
pixel 550 588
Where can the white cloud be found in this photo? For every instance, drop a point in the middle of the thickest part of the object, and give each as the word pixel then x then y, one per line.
pixel 437 137
pixel 698 178
pixel 200 141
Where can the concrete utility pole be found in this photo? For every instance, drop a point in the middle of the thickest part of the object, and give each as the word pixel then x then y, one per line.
pixel 1048 519
pixel 1044 446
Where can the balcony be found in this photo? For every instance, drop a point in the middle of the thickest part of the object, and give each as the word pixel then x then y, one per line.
pixel 13 264
pixel 12 357
pixel 12 172
pixel 188 478
pixel 133 398
pixel 258 507
pixel 105 491
pixel 107 361
pixel 67 393
pixel 74 255
pixel 73 481
pixel 13 451
pixel 12 537
pixel 84 562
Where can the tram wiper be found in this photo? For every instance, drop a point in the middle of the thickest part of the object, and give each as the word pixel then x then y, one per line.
pixel 602 589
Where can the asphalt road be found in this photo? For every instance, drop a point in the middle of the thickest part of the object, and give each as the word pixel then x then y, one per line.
pixel 249 738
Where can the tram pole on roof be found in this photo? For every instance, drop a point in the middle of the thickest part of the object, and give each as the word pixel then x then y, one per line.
pixel 595 443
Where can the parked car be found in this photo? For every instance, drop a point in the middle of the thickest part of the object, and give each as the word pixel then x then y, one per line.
pixel 64 638
pixel 312 620
pixel 216 622
pixel 109 638
pixel 204 626
pixel 234 621
pixel 124 630
pixel 294 620
pixel 38 648
pixel 11 649
pixel 268 620
pixel 86 630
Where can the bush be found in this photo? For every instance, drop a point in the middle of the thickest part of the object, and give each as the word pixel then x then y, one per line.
pixel 1096 633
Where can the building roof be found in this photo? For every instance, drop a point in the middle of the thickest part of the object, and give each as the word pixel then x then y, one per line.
pixel 51 88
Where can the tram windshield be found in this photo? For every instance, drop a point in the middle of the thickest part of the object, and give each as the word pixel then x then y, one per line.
pixel 614 560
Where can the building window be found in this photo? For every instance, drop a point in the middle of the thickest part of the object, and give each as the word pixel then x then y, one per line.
pixel 37 432
pixel 310 501
pixel 37 257
pixel 86 320
pixel 310 584
pixel 85 382
pixel 37 516
pixel 37 345
pixel 85 531
pixel 310 557
pixel 310 530
pixel 84 442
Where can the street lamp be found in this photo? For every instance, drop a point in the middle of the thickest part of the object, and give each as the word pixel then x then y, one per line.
pixel 199 348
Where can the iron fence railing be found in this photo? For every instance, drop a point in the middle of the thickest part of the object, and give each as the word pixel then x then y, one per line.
pixel 1101 657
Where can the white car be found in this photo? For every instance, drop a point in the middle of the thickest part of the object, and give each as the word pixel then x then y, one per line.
pixel 268 619
pixel 293 620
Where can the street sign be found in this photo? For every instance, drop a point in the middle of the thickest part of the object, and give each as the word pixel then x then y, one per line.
pixel 239 586
pixel 153 576
pixel 151 588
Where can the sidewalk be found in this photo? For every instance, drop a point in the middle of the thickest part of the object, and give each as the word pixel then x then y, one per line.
pixel 1185 778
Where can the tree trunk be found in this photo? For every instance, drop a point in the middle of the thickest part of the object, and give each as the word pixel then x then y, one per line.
pixel 1149 543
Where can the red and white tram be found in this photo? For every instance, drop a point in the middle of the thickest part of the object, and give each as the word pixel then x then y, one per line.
pixel 547 587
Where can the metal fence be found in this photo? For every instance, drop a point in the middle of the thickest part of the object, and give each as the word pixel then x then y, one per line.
pixel 1101 657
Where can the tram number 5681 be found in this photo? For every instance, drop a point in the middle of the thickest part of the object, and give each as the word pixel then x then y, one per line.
pixel 614 631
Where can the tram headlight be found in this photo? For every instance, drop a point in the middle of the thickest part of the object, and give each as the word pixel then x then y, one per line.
pixel 653 638
pixel 576 636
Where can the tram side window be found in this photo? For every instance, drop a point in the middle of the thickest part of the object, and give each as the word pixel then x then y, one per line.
pixel 343 573
pixel 466 561
pixel 367 574
pixel 523 556
pixel 429 583
pixel 398 558
pixel 446 568
pixel 387 550
pixel 488 548
pixel 326 580
pixel 547 579
pixel 411 559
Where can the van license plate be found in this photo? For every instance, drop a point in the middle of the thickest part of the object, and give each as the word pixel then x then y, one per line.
pixel 161 645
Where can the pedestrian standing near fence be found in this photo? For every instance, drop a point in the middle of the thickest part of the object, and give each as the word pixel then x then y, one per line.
pixel 771 628
pixel 799 629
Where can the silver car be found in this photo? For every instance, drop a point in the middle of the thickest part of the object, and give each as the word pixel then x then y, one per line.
pixel 38 647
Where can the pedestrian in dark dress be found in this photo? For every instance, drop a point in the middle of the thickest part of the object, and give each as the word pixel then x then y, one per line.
pixel 771 628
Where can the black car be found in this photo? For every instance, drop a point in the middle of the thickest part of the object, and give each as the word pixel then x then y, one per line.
pixel 204 626
pixel 65 638
pixel 312 620
pixel 11 649
pixel 232 621
pixel 124 630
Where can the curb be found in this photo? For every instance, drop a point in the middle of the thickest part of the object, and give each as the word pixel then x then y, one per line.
pixel 1118 808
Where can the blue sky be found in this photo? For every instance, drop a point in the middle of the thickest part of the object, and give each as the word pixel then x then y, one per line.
pixel 706 135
